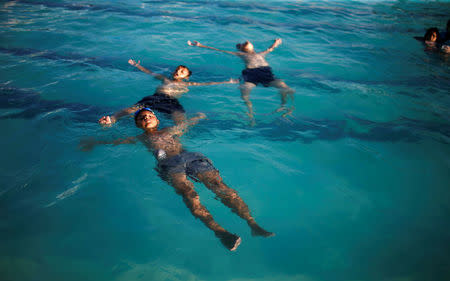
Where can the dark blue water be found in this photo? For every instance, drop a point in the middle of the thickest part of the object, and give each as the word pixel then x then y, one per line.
pixel 355 183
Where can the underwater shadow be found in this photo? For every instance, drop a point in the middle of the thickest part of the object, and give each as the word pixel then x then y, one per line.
pixel 304 129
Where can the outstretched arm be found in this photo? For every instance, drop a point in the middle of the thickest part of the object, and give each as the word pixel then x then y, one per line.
pixel 231 81
pixel 182 128
pixel 108 120
pixel 198 44
pixel 143 69
pixel 275 44
pixel 89 143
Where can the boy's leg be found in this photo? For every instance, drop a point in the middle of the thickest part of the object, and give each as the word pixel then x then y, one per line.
pixel 285 92
pixel 246 88
pixel 185 188
pixel 231 199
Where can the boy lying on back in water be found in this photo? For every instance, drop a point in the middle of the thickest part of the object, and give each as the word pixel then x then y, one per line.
pixel 257 71
pixel 176 165
pixel 165 99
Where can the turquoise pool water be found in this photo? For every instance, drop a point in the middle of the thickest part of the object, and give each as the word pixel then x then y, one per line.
pixel 355 183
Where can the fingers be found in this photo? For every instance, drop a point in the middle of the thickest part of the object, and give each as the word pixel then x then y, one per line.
pixel 105 120
pixel 133 62
pixel 195 43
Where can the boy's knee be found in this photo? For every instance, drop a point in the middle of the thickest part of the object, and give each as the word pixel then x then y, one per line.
pixel 217 180
pixel 212 177
pixel 229 194
pixel 283 85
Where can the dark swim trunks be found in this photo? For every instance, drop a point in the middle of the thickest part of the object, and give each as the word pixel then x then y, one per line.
pixel 257 75
pixel 162 103
pixel 190 163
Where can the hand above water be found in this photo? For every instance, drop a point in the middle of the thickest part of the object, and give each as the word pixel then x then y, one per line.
pixel 107 120
pixel 278 42
pixel 133 62
pixel 195 43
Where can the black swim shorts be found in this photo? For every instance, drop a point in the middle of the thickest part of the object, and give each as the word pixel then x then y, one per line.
pixel 190 163
pixel 258 75
pixel 162 103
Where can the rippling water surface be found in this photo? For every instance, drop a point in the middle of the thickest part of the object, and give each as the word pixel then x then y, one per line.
pixel 355 183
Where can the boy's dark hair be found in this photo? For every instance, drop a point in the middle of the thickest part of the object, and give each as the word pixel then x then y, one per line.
pixel 429 32
pixel 136 114
pixel 239 45
pixel 183 66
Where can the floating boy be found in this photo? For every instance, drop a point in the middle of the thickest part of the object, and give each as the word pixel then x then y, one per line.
pixel 176 166
pixel 257 71
pixel 165 99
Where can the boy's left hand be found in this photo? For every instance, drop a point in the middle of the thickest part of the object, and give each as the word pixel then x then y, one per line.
pixel 233 81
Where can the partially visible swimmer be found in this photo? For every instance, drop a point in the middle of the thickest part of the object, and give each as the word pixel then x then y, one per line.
pixel 434 40
pixel 445 36
pixel 176 166
pixel 257 71
pixel 432 36
pixel 165 99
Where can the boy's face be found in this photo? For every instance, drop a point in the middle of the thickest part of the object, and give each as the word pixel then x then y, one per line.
pixel 181 73
pixel 433 37
pixel 146 120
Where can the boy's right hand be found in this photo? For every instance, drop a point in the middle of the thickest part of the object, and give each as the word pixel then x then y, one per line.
pixel 106 120
pixel 195 43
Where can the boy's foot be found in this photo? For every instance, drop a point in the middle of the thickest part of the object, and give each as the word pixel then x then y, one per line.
pixel 252 122
pixel 288 112
pixel 230 241
pixel 259 231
